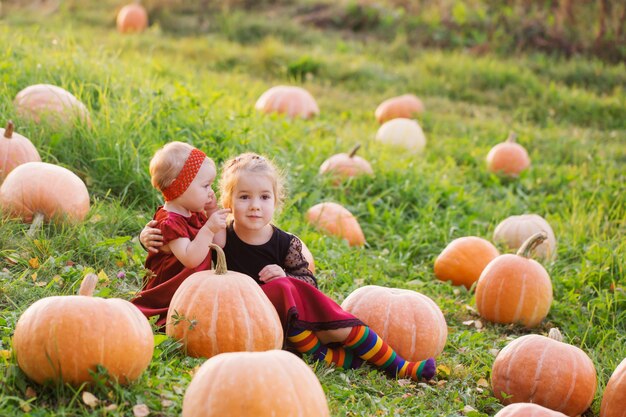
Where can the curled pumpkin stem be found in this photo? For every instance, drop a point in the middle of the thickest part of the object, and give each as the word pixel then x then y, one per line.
pixel 88 286
pixel 531 243
pixel 354 150
pixel 220 266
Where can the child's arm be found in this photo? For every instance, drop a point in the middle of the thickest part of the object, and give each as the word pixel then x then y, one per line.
pixel 191 253
pixel 295 266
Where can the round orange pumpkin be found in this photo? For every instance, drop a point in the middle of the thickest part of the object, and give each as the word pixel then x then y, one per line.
pixel 514 230
pixel 15 150
pixel 346 165
pixel 38 191
pixel 410 322
pixel 336 220
pixel 508 158
pixel 132 18
pixel 527 410
pixel 614 397
pixel 545 371
pixel 464 259
pixel 404 133
pixel 62 338
pixel 255 384
pixel 514 288
pixel 288 100
pixel 221 311
pixel 52 104
pixel 406 106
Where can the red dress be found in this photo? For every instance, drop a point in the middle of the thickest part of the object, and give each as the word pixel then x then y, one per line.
pixel 167 271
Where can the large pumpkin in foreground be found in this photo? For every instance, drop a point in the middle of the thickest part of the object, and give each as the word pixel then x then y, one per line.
pixel 15 150
pixel 288 100
pixel 336 220
pixel 402 133
pixel 275 383
pixel 406 106
pixel 514 289
pixel 527 410
pixel 464 259
pixel 52 104
pixel 408 321
pixel 221 311
pixel 614 397
pixel 62 338
pixel 38 191
pixel 545 371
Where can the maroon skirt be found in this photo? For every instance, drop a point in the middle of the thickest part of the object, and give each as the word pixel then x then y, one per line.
pixel 300 305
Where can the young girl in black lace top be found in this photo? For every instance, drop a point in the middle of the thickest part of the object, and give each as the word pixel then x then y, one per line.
pixel 252 188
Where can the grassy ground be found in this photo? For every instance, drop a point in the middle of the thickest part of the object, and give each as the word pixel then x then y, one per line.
pixel 145 90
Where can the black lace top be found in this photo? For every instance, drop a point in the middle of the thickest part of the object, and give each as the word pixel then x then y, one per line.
pixel 283 249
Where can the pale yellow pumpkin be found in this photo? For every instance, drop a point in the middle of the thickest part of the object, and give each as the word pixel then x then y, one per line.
pixel 132 18
pixel 288 100
pixel 15 150
pixel 514 230
pixel 62 338
pixel 52 104
pixel 545 371
pixel 336 220
pixel 406 106
pixel 402 133
pixel 221 311
pixel 514 288
pixel 38 192
pixel 410 322
pixel 614 397
pixel 275 383
pixel 342 166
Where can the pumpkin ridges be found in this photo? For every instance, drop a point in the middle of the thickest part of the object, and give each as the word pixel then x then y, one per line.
pixel 614 396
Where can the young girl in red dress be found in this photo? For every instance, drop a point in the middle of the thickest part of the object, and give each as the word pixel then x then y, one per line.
pixel 189 220
pixel 252 188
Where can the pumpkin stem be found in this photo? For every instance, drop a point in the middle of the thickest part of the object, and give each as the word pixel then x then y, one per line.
pixel 531 243
pixel 220 265
pixel 512 137
pixel 8 132
pixel 555 334
pixel 354 150
pixel 36 224
pixel 88 286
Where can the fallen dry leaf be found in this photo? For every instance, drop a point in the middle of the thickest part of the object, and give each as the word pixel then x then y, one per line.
pixel 482 382
pixel 30 393
pixel 34 263
pixel 90 399
pixel 141 410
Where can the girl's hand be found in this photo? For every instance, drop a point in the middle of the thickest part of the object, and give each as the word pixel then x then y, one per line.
pixel 271 272
pixel 217 221
pixel 151 237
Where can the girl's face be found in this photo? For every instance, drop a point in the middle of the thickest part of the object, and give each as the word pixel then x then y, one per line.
pixel 253 202
pixel 200 192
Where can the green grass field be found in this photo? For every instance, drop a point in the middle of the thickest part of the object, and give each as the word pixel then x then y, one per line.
pixel 145 90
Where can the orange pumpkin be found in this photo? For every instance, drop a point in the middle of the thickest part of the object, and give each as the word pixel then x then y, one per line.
pixel 308 256
pixel 545 371
pixel 614 397
pixel 336 220
pixel 346 165
pixel 514 288
pixel 514 230
pixel 222 311
pixel 404 133
pixel 14 150
pixel 464 259
pixel 405 106
pixel 255 384
pixel 38 191
pixel 62 338
pixel 288 100
pixel 508 158
pixel 52 104
pixel 409 321
pixel 527 410
pixel 132 18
